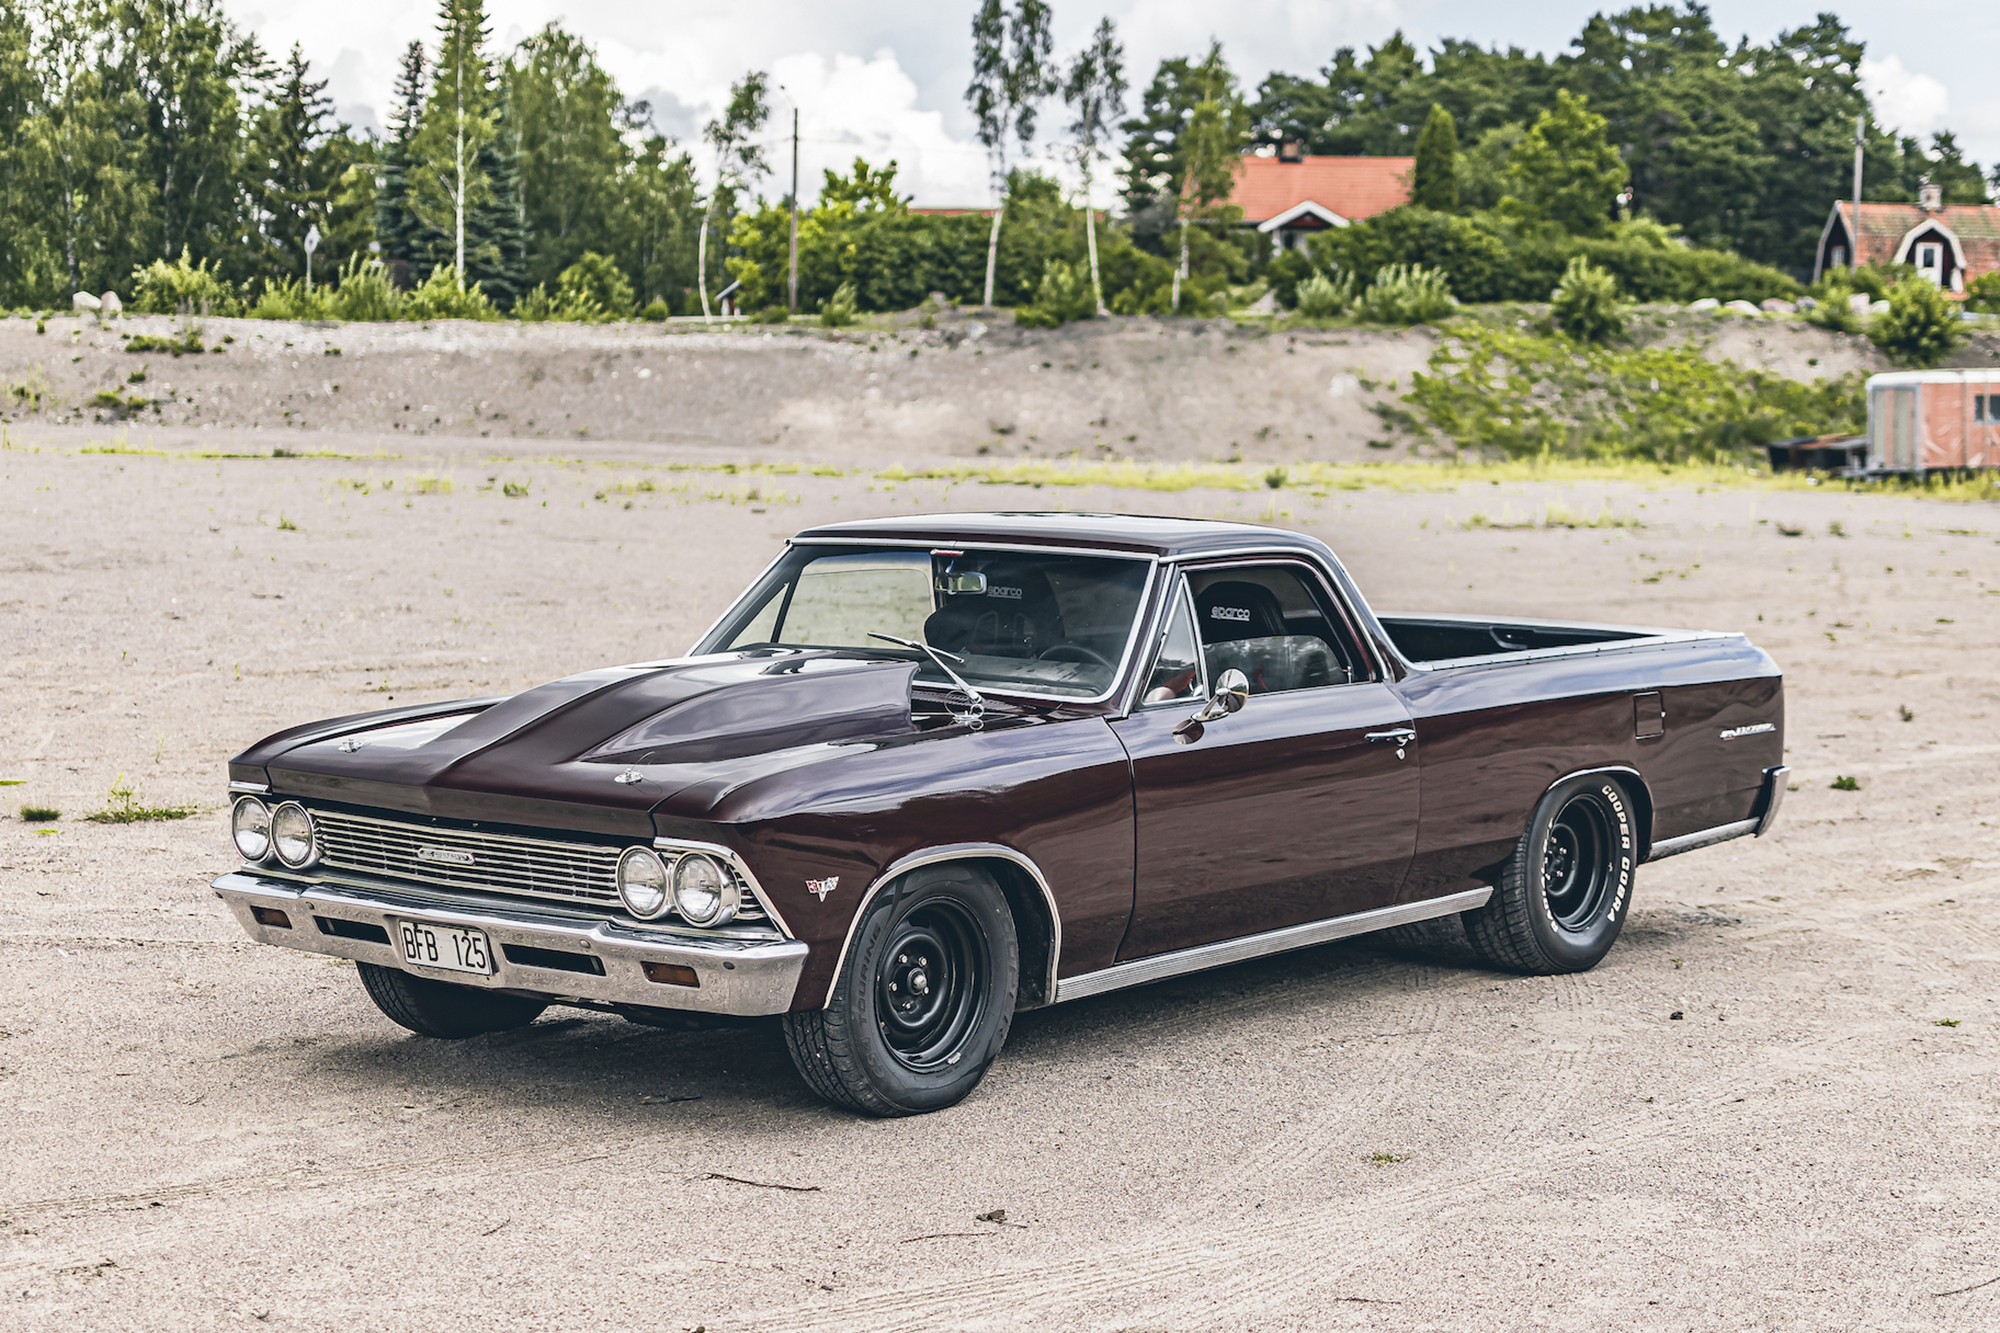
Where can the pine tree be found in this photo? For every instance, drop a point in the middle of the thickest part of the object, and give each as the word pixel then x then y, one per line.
pixel 498 262
pixel 401 235
pixel 294 164
pixel 1435 183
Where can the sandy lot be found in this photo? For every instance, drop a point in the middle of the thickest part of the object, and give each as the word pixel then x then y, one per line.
pixel 198 1131
pixel 1142 388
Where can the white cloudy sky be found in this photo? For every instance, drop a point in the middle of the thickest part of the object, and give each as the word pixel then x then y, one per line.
pixel 885 78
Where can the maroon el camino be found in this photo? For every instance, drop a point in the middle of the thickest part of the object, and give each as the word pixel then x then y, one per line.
pixel 930 771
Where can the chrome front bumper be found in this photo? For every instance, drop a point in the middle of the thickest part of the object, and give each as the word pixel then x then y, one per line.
pixel 547 952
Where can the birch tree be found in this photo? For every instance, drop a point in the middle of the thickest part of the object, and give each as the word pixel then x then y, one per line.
pixel 739 158
pixel 445 177
pixel 1095 93
pixel 1012 71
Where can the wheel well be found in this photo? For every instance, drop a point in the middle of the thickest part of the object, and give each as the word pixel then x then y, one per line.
pixel 1033 927
pixel 1642 811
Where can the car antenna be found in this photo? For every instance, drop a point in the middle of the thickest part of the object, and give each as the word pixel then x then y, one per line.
pixel 974 716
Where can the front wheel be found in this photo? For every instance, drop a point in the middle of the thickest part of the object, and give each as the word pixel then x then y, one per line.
pixel 1563 896
pixel 923 1002
pixel 442 1009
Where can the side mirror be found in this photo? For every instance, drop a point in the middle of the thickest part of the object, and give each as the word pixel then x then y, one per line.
pixel 1232 691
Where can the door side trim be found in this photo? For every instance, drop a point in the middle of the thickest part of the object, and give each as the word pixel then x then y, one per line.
pixel 1224 952
pixel 958 851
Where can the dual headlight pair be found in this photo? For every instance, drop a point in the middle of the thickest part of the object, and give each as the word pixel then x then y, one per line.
pixel 287 832
pixel 693 884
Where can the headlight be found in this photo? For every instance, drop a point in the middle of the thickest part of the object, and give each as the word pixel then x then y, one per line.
pixel 642 882
pixel 703 891
pixel 292 835
pixel 250 826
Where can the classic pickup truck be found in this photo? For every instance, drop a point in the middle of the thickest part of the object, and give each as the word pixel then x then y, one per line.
pixel 928 771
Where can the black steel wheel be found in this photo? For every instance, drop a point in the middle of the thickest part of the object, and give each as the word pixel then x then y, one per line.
pixel 1563 895
pixel 441 1009
pixel 923 1001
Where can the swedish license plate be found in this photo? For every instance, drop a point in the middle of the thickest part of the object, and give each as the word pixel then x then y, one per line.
pixel 453 948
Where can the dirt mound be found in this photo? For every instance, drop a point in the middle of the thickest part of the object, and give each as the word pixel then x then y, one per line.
pixel 1141 388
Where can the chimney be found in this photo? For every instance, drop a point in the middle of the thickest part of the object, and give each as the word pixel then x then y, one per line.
pixel 1291 152
pixel 1930 195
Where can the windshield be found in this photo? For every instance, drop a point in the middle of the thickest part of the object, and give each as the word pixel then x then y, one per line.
pixel 1034 623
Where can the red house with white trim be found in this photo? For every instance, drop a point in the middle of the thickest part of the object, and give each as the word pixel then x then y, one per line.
pixel 1292 195
pixel 1950 246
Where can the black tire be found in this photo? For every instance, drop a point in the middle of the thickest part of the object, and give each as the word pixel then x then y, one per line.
pixel 923 1002
pixel 441 1009
pixel 1564 894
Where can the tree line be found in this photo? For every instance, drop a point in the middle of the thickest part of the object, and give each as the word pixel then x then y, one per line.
pixel 153 144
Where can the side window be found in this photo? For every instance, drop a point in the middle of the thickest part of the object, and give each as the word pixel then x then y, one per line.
pixel 1177 670
pixel 1275 625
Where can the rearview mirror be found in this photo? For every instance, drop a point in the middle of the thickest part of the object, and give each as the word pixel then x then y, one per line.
pixel 962 584
pixel 1232 691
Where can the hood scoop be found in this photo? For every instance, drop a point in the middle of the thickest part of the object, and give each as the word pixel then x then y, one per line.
pixel 794 701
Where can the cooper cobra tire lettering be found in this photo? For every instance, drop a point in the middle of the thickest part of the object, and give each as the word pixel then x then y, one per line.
pixel 1563 894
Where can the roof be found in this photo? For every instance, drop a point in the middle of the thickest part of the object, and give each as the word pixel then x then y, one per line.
pixel 1884 227
pixel 1896 379
pixel 1140 534
pixel 1349 187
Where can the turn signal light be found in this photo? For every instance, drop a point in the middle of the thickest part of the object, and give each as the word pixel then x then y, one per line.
pixel 271 916
pixel 672 974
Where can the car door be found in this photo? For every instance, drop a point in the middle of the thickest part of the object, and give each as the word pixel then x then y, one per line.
pixel 1300 806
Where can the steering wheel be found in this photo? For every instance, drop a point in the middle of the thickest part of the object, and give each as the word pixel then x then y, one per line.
pixel 1073 652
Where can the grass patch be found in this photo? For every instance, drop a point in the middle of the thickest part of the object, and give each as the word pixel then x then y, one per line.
pixel 40 814
pixel 1386 1158
pixel 515 490
pixel 286 525
pixel 1842 782
pixel 1555 514
pixel 187 344
pixel 1944 1022
pixel 122 805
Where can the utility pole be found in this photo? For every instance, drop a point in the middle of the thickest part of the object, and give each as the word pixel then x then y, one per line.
pixel 1854 232
pixel 793 287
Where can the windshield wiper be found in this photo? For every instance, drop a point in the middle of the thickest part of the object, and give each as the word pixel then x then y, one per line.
pixel 974 714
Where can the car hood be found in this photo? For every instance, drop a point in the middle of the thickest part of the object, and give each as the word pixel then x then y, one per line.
pixel 598 751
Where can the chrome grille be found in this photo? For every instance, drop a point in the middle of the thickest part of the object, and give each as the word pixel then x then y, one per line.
pixel 577 872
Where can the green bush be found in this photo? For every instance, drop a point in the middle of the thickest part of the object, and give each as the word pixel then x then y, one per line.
pixel 1921 326
pixel 771 314
pixel 440 297
pixel 1475 260
pixel 837 310
pixel 538 307
pixel 1321 297
pixel 1406 294
pixel 595 283
pixel 656 311
pixel 1982 296
pixel 1523 395
pixel 1287 269
pixel 287 298
pixel 1830 309
pixel 1064 294
pixel 1586 304
pixel 366 292
pixel 160 288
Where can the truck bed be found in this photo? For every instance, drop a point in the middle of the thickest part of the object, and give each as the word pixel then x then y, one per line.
pixel 1432 640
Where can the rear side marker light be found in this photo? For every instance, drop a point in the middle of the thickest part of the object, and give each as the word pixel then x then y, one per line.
pixel 271 916
pixel 672 974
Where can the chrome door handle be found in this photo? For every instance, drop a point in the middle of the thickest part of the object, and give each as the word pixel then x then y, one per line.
pixel 1401 737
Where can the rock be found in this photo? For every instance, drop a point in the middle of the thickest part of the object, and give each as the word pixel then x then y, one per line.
pixel 83 301
pixel 1773 306
pixel 110 303
pixel 1705 303
pixel 1807 303
pixel 1858 303
pixel 1267 304
pixel 1742 308
pixel 1878 307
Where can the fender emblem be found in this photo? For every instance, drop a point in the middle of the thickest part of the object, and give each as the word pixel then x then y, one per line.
pixel 628 777
pixel 349 746
pixel 822 887
pixel 448 855
pixel 1754 729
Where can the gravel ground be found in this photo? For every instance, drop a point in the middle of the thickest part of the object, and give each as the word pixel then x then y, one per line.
pixel 1753 1114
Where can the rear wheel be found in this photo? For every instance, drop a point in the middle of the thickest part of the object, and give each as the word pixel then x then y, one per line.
pixel 923 1002
pixel 1563 896
pixel 442 1009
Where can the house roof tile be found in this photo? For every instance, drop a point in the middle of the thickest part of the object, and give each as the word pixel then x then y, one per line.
pixel 1353 187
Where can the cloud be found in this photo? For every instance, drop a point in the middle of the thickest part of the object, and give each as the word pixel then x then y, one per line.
pixel 1915 104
